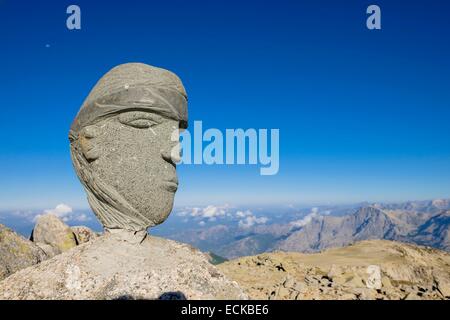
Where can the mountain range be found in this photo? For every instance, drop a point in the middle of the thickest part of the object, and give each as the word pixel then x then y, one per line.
pixel 421 222
pixel 232 232
pixel 370 223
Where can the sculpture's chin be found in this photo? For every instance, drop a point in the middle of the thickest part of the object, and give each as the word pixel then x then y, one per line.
pixel 161 218
pixel 162 207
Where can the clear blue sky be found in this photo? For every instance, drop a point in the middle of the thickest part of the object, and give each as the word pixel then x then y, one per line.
pixel 363 115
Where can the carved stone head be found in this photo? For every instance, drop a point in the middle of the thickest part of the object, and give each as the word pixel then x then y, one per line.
pixel 124 145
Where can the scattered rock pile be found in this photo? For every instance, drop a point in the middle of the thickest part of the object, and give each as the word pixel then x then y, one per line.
pixel 50 237
pixel 367 270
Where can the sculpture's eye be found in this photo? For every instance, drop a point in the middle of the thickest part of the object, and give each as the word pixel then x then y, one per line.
pixel 141 123
pixel 140 120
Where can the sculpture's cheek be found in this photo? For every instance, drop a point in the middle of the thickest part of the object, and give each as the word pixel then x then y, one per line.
pixel 131 161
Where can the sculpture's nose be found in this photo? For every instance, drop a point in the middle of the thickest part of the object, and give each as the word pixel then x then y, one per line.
pixel 172 155
pixel 172 152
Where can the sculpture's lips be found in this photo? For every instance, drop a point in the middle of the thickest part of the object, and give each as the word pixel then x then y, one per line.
pixel 171 185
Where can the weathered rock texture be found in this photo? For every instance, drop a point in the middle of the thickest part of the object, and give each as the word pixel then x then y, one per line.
pixel 52 231
pixel 112 268
pixel 48 249
pixel 17 252
pixel 373 269
pixel 83 234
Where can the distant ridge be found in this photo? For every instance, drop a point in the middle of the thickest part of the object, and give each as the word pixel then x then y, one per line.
pixel 435 232
pixel 327 232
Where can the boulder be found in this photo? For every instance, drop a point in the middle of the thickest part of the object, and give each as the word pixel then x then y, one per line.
pixel 16 252
pixel 83 234
pixel 442 281
pixel 51 230
pixel 48 249
pixel 110 267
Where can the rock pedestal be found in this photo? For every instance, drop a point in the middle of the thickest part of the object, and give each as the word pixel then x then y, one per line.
pixel 111 267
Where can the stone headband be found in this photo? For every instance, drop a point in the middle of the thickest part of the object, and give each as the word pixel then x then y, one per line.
pixel 133 87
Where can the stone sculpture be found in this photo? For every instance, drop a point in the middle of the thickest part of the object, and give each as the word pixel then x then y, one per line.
pixel 124 146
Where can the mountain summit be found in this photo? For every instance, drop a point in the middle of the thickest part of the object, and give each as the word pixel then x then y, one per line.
pixel 329 231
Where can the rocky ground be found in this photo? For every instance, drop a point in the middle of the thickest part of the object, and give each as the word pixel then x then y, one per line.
pixel 375 269
pixel 82 265
pixel 60 262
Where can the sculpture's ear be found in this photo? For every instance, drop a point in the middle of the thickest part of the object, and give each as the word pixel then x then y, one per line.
pixel 87 142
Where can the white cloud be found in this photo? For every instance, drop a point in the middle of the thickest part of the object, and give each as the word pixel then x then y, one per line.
pixel 307 219
pixel 210 212
pixel 65 213
pixel 245 218
pixel 25 214
pixel 61 210
pixel 82 217
pixel 195 212
pixel 182 213
pixel 242 214
pixel 249 219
